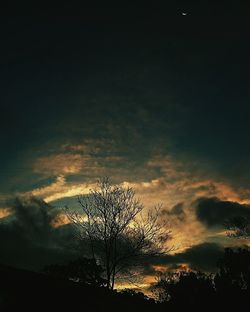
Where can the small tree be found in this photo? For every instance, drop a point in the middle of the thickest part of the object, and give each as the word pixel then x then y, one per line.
pixel 115 230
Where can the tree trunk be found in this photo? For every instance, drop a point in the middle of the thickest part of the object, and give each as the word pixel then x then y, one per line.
pixel 113 279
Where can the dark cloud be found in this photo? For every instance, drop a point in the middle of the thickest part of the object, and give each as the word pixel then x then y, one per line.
pixel 176 211
pixel 32 218
pixel 200 257
pixel 214 212
pixel 27 239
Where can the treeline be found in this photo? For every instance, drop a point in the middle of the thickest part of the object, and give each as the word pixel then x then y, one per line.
pixel 79 284
pixel 230 286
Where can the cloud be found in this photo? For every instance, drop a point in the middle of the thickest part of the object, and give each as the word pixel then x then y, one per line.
pixel 177 181
pixel 214 212
pixel 5 212
pixel 161 179
pixel 60 164
pixel 37 234
pixel 27 238
pixel 177 186
pixel 202 257
pixel 80 148
pixel 176 211
pixel 33 216
pixel 60 220
pixel 60 189
pixel 190 178
pixel 81 162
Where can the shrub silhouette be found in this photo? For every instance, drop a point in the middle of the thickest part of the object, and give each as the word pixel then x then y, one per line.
pixel 190 287
pixel 234 271
pixel 81 270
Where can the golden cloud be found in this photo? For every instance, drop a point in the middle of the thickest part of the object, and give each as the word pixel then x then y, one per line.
pixel 59 220
pixel 179 184
pixel 60 164
pixel 60 189
pixel 174 183
pixel 5 212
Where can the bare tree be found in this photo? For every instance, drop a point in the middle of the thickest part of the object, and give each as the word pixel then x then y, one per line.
pixel 116 231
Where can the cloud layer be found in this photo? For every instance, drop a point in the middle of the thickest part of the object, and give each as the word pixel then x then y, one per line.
pixel 215 212
pixel 28 237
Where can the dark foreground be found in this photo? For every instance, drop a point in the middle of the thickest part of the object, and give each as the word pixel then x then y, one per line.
pixel 22 290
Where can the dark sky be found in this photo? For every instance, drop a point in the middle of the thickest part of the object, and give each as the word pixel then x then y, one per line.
pixel 150 97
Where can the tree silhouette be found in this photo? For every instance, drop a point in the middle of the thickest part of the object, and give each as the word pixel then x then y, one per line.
pixel 189 287
pixel 114 229
pixel 238 227
pixel 81 270
pixel 234 270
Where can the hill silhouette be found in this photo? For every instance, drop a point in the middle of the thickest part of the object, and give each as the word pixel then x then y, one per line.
pixel 32 291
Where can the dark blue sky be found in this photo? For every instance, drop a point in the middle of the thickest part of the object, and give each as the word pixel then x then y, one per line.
pixel 68 78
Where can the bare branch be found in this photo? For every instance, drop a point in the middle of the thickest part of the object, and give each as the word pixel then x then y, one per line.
pixel 118 233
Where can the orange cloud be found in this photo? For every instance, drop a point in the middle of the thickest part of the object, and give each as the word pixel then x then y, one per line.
pixel 60 164
pixel 174 182
pixel 59 220
pixel 160 268
pixel 177 183
pixel 60 189
pixel 5 212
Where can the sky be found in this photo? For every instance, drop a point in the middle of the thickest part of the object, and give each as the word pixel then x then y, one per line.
pixel 156 100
